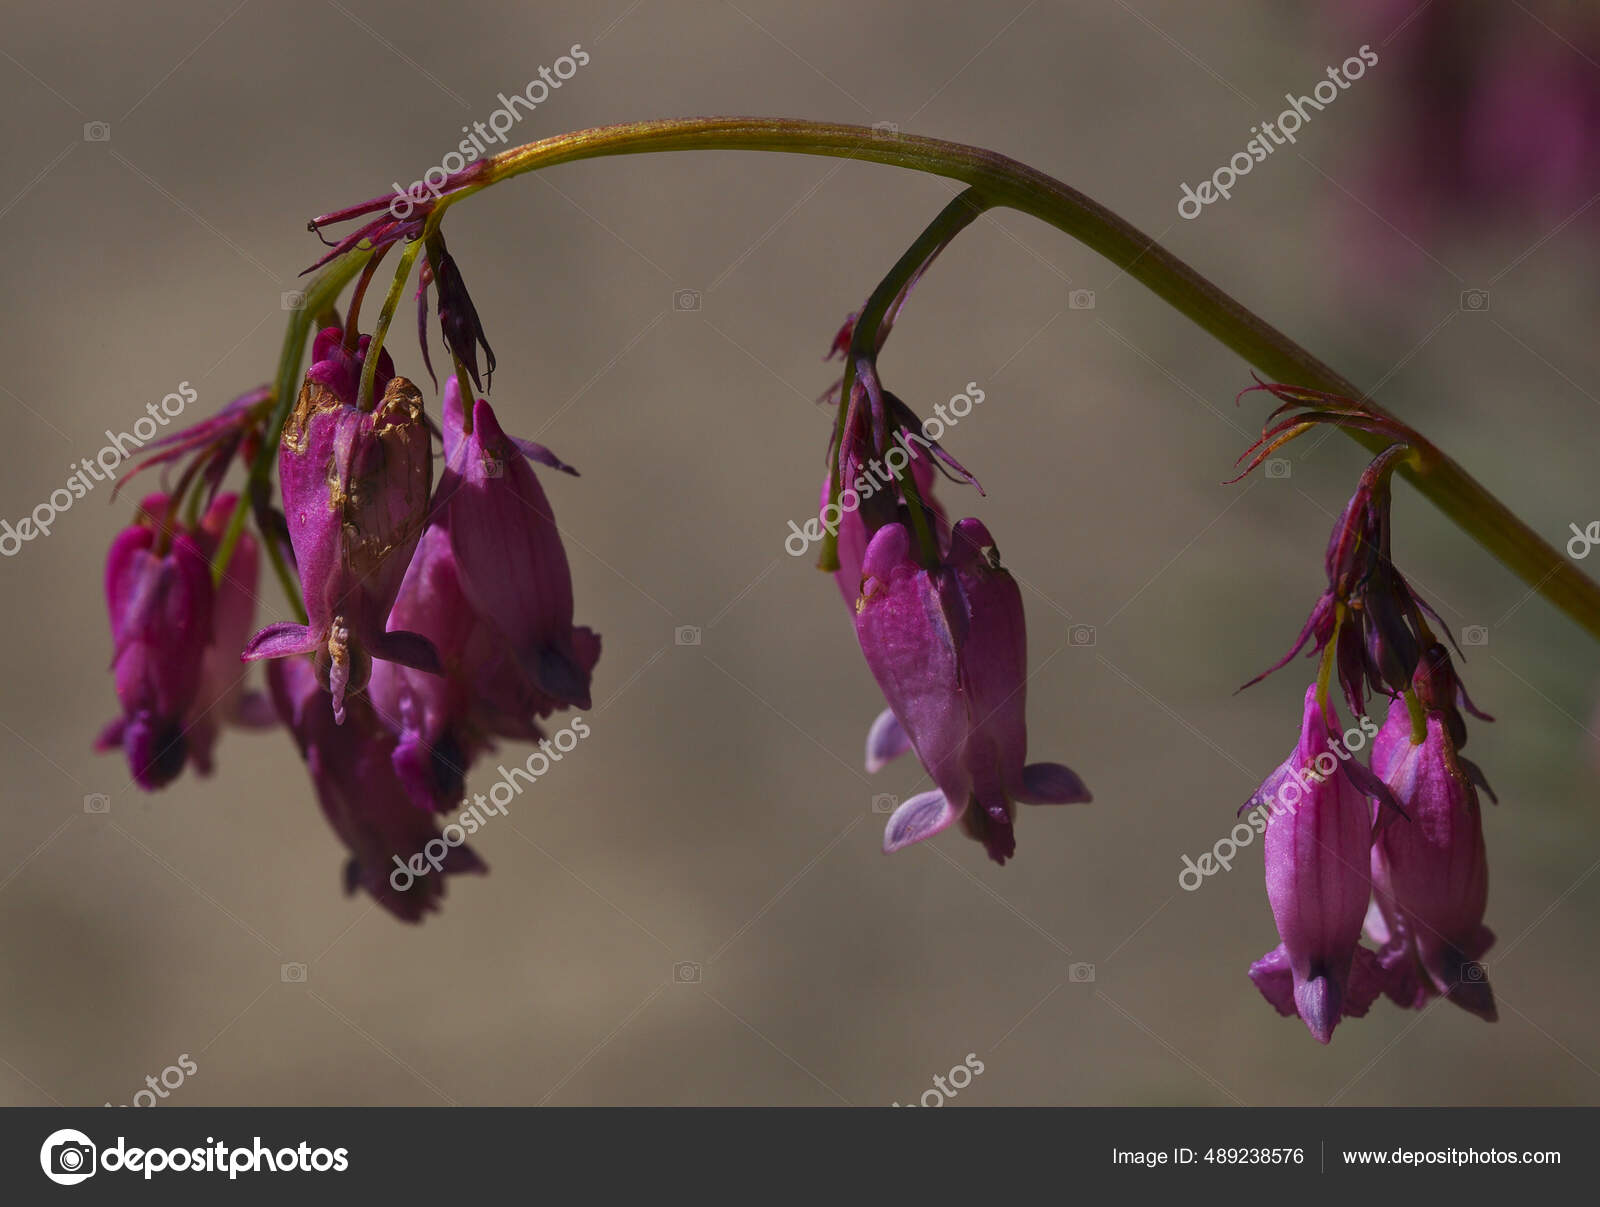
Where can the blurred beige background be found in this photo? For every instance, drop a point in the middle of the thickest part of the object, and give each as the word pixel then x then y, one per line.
pixel 717 814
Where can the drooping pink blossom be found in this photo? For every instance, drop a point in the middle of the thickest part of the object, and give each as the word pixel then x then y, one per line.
pixel 948 648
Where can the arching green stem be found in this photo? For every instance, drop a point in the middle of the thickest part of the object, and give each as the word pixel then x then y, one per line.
pixel 1001 181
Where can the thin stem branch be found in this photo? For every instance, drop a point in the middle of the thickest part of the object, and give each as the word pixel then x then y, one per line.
pixel 865 339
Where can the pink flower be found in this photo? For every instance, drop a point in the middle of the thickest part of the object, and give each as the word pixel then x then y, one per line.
pixel 355 496
pixel 948 648
pixel 1319 880
pixel 445 721
pixel 1431 871
pixel 511 565
pixel 158 592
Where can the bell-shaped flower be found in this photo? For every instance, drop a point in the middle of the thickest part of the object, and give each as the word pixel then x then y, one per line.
pixel 355 497
pixel 948 648
pixel 159 595
pixel 445 721
pixel 352 769
pixel 1431 870
pixel 1319 880
pixel 508 553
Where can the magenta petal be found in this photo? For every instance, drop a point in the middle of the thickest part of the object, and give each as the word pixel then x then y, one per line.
pixel 538 453
pixel 1366 983
pixel 886 741
pixel 1320 1003
pixel 1318 869
pixel 1273 977
pixel 110 736
pixel 948 648
pixel 280 641
pixel 905 635
pixel 511 563
pixel 355 487
pixel 923 816
pixel 155 748
pixel 1052 784
pixel 1433 861
pixel 406 649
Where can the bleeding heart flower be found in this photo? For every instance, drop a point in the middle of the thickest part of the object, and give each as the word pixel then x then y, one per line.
pixel 948 648
pixel 510 562
pixel 1319 881
pixel 1431 872
pixel 159 595
pixel 355 496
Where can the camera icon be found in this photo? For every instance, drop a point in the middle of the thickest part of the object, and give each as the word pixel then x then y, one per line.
pixel 884 803
pixel 686 972
pixel 292 974
pixel 1080 973
pixel 96 131
pixel 1081 635
pixel 889 129
pixel 1475 299
pixel 292 299
pixel 1080 299
pixel 67 1157
pixel 97 802
pixel 686 634
pixel 1474 634
pixel 686 299
pixel 493 467
pixel 1278 467
pixel 1474 973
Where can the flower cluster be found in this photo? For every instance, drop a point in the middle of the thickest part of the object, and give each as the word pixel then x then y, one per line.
pixel 437 619
pixel 940 623
pixel 1394 849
